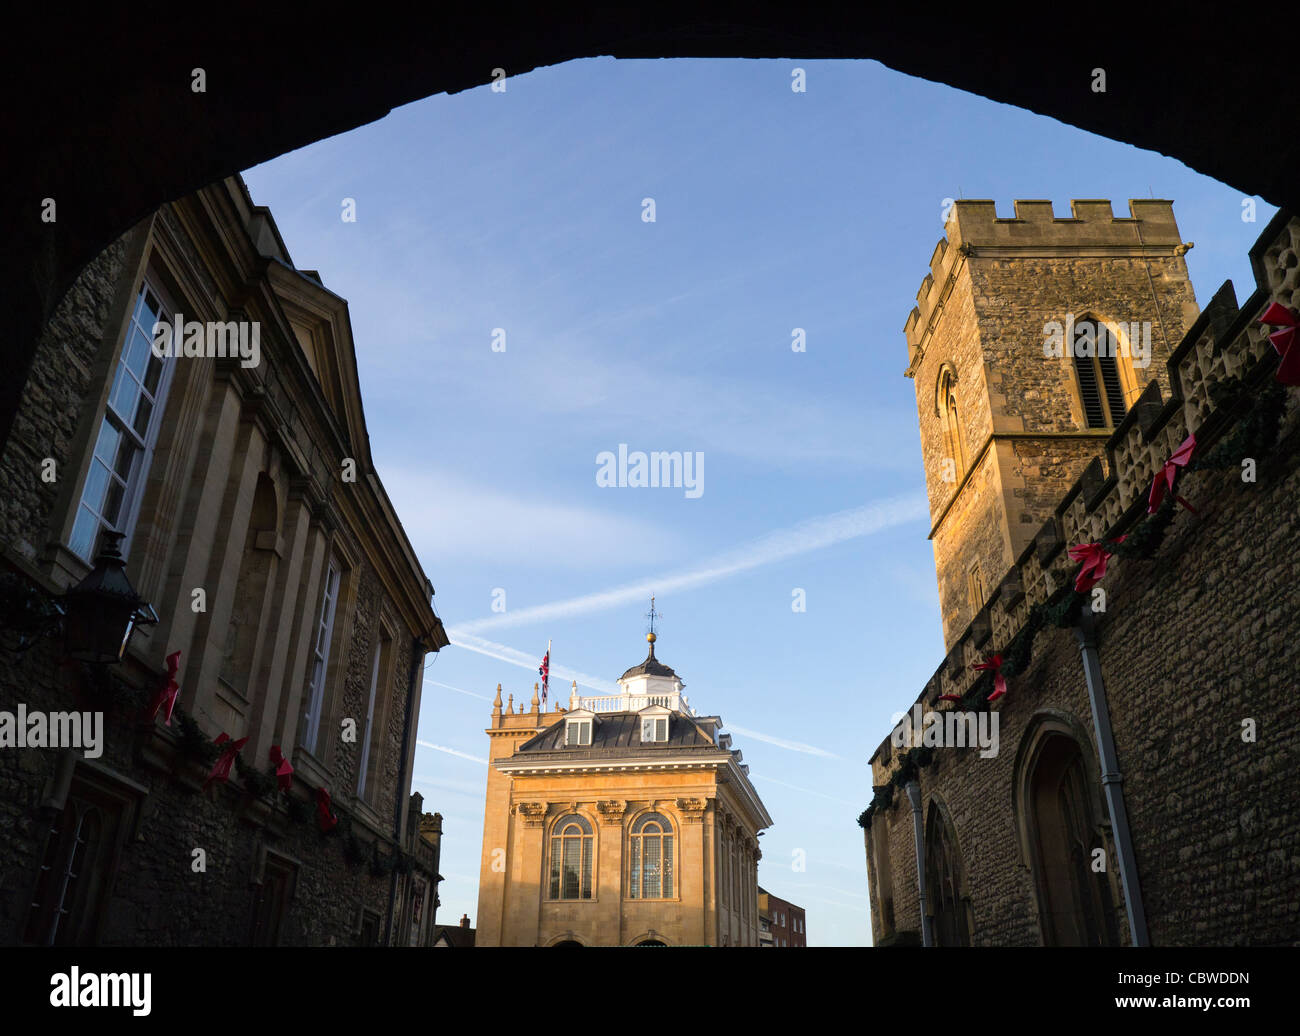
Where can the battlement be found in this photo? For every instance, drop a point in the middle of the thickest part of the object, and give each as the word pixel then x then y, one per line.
pixel 974 228
pixel 1225 342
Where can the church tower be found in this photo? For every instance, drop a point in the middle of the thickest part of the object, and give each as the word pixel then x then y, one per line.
pixel 1031 340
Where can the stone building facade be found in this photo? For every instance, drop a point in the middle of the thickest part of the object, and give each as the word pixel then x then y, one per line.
pixel 623 820
pixel 1143 789
pixel 252 521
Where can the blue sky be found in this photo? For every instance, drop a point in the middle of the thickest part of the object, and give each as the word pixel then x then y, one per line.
pixel 774 210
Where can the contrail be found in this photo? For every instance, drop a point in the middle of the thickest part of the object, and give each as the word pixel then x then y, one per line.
pixel 793 746
pixel 795 787
pixel 503 653
pixel 459 690
pixel 809 535
pixel 452 751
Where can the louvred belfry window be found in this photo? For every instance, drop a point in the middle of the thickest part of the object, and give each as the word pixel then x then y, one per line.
pixel 1100 390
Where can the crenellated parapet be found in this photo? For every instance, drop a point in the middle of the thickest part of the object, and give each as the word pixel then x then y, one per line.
pixel 974 228
pixel 1225 343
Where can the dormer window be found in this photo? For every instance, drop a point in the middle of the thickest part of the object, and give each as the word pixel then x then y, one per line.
pixel 654 728
pixel 577 732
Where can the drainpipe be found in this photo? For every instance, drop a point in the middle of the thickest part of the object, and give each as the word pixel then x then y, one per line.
pixel 1112 781
pixel 417 656
pixel 914 796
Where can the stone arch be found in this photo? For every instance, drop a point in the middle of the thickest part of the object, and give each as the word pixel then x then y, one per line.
pixel 564 939
pixel 649 937
pixel 947 408
pixel 947 880
pixel 1061 820
pixel 1131 383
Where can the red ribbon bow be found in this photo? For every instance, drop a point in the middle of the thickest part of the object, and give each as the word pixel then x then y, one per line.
pixel 230 749
pixel 1164 479
pixel 283 768
pixel 1094 557
pixel 994 662
pixel 1288 370
pixel 167 693
pixel 327 820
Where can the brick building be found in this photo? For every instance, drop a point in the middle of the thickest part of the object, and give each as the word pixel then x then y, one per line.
pixel 781 923
pixel 238 483
pixel 1143 789
pixel 623 820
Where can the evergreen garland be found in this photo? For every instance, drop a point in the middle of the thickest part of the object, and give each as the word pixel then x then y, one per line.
pixel 299 810
pixel 1253 436
pixel 258 783
pixel 191 741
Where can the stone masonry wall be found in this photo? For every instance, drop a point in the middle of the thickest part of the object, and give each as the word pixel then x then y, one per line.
pixel 1192 643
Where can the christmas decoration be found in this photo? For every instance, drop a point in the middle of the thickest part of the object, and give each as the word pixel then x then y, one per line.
pixel 1165 477
pixel 993 664
pixel 167 693
pixel 327 820
pixel 229 749
pixel 1284 341
pixel 1094 557
pixel 283 768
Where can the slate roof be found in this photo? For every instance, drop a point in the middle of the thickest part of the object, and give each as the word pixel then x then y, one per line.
pixel 616 733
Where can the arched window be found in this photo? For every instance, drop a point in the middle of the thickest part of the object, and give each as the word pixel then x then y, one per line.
pixel 650 854
pixel 1095 349
pixel 1076 904
pixel 954 439
pixel 571 858
pixel 943 879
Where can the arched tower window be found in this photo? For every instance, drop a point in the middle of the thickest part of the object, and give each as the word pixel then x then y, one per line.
pixel 571 851
pixel 954 440
pixel 1077 907
pixel 944 881
pixel 1100 372
pixel 650 856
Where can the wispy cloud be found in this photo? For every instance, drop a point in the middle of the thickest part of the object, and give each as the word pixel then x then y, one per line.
pixel 447 518
pixel 452 751
pixel 812 534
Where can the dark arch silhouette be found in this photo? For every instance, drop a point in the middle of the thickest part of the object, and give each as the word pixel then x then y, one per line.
pixel 110 131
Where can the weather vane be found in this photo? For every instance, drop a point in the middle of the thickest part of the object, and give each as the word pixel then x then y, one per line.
pixel 652 615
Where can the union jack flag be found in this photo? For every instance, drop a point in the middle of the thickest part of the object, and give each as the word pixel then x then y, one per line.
pixel 544 671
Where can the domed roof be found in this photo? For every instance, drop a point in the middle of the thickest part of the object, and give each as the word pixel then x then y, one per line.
pixel 651 666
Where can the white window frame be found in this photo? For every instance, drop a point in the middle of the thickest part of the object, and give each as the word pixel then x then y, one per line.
pixel 133 485
pixel 583 727
pixel 321 654
pixel 657 726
